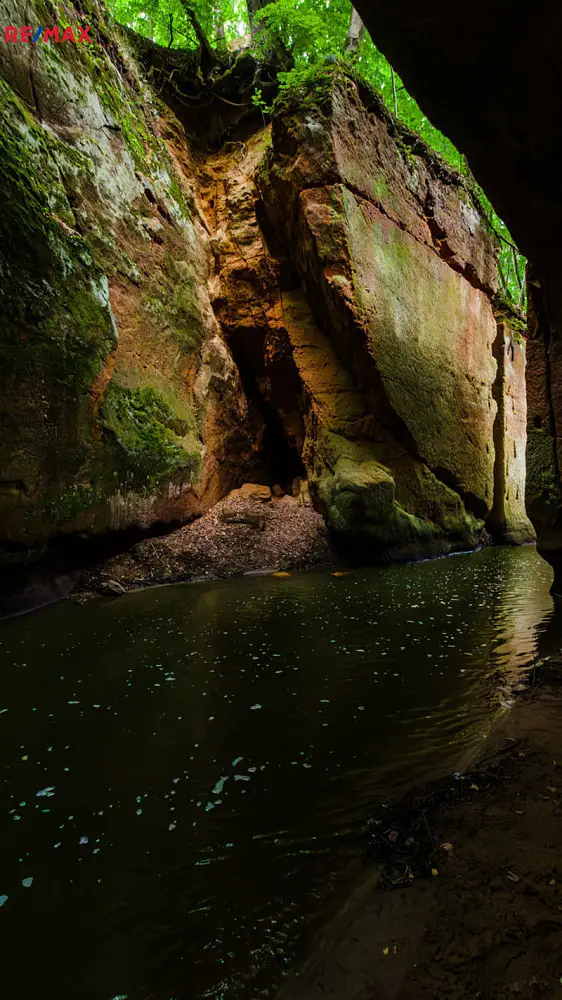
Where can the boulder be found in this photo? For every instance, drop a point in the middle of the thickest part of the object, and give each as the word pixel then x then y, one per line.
pixel 111 587
pixel 251 491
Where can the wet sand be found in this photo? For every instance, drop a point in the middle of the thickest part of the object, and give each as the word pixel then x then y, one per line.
pixel 487 923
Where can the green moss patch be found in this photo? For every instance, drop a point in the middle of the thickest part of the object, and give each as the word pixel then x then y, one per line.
pixel 153 440
pixel 67 504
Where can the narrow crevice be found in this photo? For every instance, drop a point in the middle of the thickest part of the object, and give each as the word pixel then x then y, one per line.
pixel 285 272
pixel 496 519
pixel 544 326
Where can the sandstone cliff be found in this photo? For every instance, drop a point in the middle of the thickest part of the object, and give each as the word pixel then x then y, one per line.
pixel 399 271
pixel 544 431
pixel 316 304
pixel 511 135
pixel 120 404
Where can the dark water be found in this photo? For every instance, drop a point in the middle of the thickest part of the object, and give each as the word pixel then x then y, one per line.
pixel 185 770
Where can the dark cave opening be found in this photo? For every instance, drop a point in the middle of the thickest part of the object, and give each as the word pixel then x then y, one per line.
pixel 281 460
pixel 278 460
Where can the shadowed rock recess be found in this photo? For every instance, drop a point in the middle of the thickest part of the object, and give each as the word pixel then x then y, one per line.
pixel 313 303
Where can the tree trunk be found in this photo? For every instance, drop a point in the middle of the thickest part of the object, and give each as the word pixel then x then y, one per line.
pixel 207 54
pixel 355 33
pixel 394 94
pixel 253 7
pixel 220 39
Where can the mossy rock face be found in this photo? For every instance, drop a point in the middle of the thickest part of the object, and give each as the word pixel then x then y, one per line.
pixel 333 128
pixel 152 441
pixel 57 328
pixel 360 496
pixel 108 356
pixel 173 301
pixel 431 335
pixel 508 521
pixel 356 492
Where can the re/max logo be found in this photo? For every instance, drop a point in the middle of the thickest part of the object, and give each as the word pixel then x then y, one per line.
pixel 56 34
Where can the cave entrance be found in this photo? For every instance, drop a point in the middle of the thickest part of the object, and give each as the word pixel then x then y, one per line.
pixel 275 400
pixel 281 460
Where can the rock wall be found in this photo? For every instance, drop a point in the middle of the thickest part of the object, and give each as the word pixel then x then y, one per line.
pixel 119 404
pixel 399 273
pixel 513 141
pixel 312 305
pixel 544 432
pixel 508 519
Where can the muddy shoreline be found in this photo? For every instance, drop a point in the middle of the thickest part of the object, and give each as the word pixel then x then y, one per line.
pixel 461 896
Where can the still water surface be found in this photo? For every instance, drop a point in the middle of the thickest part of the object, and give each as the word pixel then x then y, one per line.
pixel 185 770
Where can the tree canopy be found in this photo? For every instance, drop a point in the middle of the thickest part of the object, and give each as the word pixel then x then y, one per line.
pixel 309 32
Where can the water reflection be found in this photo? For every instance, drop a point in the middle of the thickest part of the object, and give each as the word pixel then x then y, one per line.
pixel 180 766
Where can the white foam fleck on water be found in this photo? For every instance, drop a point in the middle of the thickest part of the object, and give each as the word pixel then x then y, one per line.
pixel 219 785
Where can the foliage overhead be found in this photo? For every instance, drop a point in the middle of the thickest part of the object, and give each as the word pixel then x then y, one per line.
pixel 312 32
